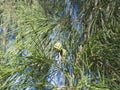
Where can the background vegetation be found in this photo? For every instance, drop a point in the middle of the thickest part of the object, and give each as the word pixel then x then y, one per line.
pixel 88 30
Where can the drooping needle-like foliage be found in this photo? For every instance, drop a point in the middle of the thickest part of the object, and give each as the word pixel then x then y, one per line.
pixel 85 33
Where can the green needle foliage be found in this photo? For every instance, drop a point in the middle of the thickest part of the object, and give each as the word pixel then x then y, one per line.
pixel 95 61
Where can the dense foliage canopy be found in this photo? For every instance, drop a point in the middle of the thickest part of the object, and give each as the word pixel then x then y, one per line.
pixel 88 35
